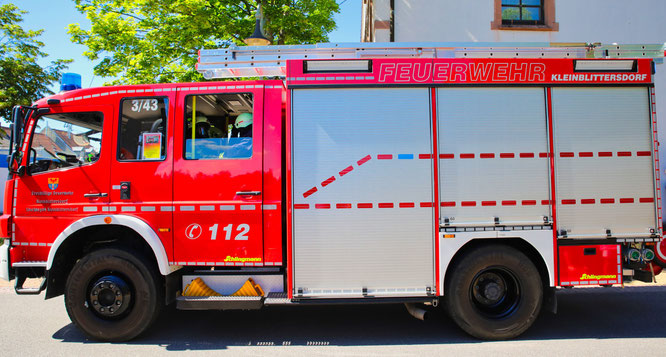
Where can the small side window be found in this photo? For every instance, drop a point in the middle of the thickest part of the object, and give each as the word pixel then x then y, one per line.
pixel 218 126
pixel 143 128
pixel 65 140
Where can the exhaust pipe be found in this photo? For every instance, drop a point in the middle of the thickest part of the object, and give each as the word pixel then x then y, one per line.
pixel 415 311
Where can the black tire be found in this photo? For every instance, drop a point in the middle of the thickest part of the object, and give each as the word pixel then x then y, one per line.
pixel 113 295
pixel 494 293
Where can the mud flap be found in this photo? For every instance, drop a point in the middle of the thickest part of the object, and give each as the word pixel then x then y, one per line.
pixel 550 300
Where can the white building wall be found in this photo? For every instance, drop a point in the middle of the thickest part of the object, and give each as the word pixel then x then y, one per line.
pixel 606 21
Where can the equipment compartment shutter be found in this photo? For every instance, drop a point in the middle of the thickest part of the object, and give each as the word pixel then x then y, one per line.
pixel 493 150
pixel 604 165
pixel 362 189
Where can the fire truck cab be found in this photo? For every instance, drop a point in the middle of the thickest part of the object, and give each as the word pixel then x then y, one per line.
pixel 475 179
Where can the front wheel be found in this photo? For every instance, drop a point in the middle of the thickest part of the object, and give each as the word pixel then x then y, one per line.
pixel 112 295
pixel 494 292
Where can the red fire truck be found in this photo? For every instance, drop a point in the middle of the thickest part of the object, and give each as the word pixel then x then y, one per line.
pixel 477 178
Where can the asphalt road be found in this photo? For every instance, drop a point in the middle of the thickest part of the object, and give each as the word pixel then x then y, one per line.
pixel 590 321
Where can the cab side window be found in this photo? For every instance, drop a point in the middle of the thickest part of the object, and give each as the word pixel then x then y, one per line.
pixel 143 128
pixel 218 126
pixel 64 140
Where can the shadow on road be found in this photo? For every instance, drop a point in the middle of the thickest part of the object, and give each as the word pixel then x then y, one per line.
pixel 599 313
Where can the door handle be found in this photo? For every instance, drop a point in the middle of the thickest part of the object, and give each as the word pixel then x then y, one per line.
pixel 248 193
pixel 93 195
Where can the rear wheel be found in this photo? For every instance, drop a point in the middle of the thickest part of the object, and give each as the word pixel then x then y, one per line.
pixel 112 295
pixel 495 292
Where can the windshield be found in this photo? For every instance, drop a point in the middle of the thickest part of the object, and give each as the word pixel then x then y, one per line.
pixel 63 140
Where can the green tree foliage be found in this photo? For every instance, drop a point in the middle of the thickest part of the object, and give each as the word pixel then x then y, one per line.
pixel 22 79
pixel 157 41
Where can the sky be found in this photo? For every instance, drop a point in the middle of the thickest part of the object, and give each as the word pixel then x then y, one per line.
pixel 54 15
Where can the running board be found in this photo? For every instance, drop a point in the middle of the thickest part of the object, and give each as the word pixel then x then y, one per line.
pixel 20 290
pixel 230 302
pixel 219 302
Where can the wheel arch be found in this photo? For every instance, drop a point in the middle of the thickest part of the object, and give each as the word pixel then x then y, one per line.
pixel 540 254
pixel 93 232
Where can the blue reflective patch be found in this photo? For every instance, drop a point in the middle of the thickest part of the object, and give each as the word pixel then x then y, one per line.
pixel 405 156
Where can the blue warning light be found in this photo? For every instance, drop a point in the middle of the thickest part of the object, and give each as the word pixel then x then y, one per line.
pixel 70 81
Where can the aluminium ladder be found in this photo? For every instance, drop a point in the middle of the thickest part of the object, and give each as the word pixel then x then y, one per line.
pixel 270 61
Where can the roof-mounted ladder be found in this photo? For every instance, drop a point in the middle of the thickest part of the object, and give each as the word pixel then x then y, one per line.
pixel 270 61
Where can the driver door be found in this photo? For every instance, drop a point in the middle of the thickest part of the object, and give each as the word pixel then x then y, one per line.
pixel 67 174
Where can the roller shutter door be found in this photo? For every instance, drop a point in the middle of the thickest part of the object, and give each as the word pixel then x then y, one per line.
pixel 363 221
pixel 604 165
pixel 494 165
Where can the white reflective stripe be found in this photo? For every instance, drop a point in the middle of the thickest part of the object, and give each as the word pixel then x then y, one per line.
pixel 247 207
pixel 90 209
pixel 109 209
pixel 49 244
pixel 187 208
pixel 42 244
pixel 207 208
pixel 115 187
pixel 128 209
pixel 148 209
pixel 33 244
pixel 166 208
pixel 268 264
pixel 269 207
pixel 227 207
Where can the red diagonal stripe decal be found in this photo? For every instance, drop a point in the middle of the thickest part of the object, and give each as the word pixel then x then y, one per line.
pixel 346 170
pixel 363 160
pixel 309 192
pixel 328 181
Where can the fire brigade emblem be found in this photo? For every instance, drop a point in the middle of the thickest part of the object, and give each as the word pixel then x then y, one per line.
pixel 53 183
pixel 193 231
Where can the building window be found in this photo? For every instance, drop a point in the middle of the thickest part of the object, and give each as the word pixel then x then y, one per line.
pixel 516 15
pixel 526 12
